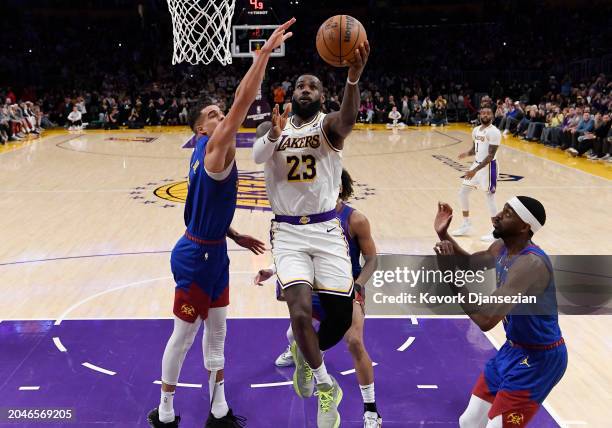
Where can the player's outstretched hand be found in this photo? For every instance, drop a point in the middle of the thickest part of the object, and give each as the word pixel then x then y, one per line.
pixel 357 65
pixel 444 248
pixel 470 174
pixel 443 219
pixel 278 37
pixel 262 275
pixel 279 120
pixel 253 244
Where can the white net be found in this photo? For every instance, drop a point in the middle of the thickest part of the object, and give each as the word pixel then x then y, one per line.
pixel 201 30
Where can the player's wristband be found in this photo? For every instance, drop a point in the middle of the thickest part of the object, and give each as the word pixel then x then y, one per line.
pixel 268 139
pixel 358 287
pixel 348 80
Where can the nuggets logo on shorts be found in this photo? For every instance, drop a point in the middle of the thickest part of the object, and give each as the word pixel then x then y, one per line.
pixel 515 418
pixel 187 310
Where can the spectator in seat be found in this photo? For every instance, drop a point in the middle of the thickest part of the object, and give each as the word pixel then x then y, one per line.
pixel 279 95
pixel 75 119
pixel 394 118
pixel 439 112
pixel 417 117
pixel 112 119
pixel 380 108
pixel 586 124
pixel 554 120
pixel 586 142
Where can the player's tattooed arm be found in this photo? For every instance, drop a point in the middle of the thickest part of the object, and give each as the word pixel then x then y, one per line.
pixel 338 125
pixel 360 229
pixel 470 152
pixel 488 159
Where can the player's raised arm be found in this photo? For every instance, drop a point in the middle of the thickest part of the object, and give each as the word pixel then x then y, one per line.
pixel 221 148
pixel 442 221
pixel 268 133
pixel 338 125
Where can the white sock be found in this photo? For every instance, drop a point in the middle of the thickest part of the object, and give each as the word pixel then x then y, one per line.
pixel 166 407
pixel 219 407
pixel 321 375
pixel 290 337
pixel 467 221
pixel 367 393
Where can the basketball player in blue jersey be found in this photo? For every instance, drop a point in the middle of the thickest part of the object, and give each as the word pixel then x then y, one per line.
pixel 356 228
pixel 517 380
pixel 199 260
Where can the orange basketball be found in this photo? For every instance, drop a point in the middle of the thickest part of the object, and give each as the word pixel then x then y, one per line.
pixel 338 37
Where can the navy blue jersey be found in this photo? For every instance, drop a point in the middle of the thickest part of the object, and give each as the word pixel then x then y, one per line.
pixel 521 326
pixel 210 204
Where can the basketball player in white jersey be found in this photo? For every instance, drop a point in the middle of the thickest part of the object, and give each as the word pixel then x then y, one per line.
pixel 484 171
pixel 303 167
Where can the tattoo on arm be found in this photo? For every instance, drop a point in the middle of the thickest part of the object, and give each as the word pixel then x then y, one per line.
pixel 488 159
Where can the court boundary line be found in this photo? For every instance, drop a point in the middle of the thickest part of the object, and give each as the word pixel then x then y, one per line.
pixel 128 253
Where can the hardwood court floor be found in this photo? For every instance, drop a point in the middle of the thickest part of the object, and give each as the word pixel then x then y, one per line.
pixel 89 219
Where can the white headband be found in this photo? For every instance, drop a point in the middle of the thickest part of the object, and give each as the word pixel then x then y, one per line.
pixel 524 214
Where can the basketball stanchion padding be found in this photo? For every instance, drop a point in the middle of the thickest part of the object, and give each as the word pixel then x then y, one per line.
pixel 201 30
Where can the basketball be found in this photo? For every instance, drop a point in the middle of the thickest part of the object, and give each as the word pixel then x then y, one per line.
pixel 337 39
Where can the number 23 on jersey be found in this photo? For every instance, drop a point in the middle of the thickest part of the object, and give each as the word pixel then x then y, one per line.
pixel 302 168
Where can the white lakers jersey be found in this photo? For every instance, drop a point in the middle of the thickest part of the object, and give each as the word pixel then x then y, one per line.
pixel 303 174
pixel 483 138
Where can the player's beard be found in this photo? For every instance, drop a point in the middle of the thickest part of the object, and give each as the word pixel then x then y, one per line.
pixel 305 112
pixel 488 121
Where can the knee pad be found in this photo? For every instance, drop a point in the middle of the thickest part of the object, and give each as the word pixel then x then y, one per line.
pixel 214 339
pixel 179 343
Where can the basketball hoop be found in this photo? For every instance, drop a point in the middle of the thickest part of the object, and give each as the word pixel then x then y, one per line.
pixel 201 30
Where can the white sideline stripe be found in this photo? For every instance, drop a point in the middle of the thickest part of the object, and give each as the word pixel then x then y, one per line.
pixel 347 372
pixel 406 344
pixel 427 386
pixel 101 293
pixel 266 385
pixel 59 344
pixel 573 423
pixel 99 369
pixel 184 385
pixel 29 388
